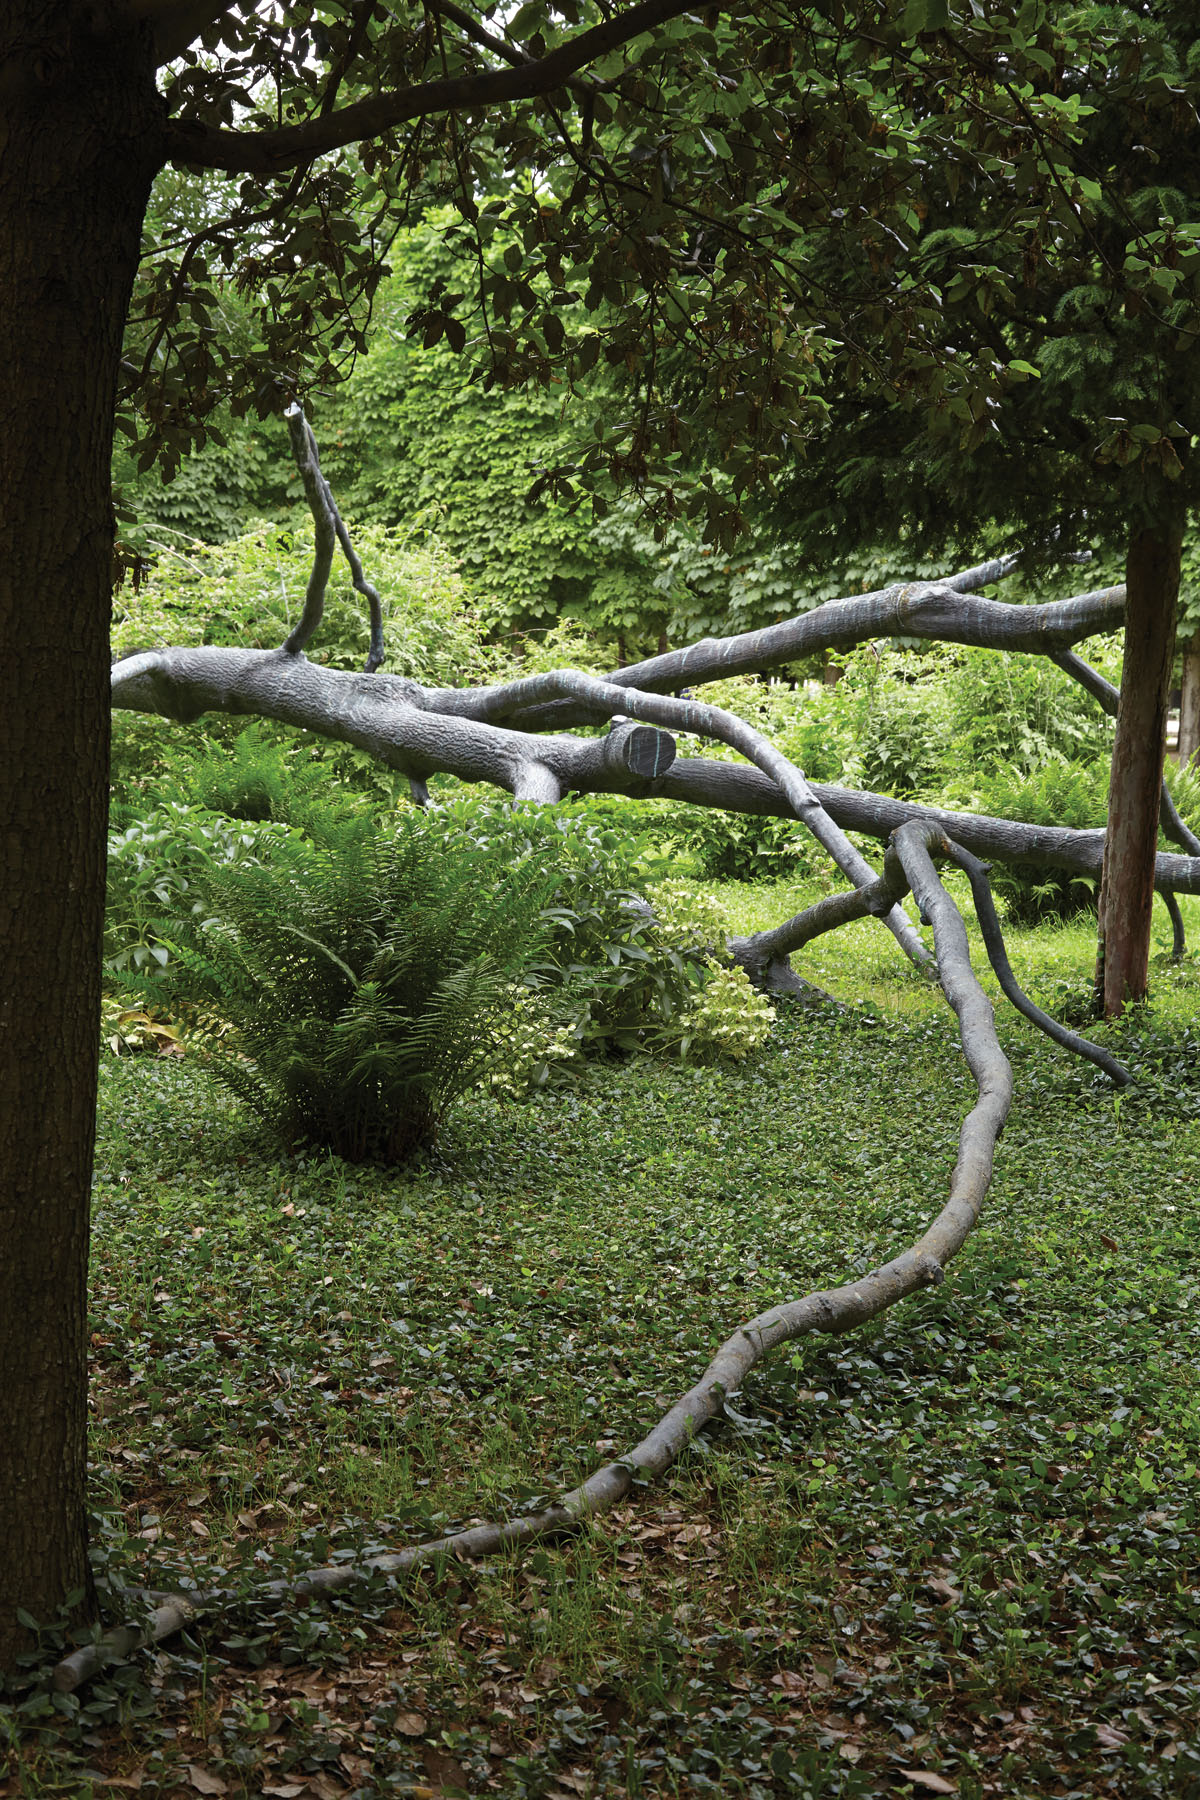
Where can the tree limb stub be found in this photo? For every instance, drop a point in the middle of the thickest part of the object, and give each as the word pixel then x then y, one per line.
pixel 908 864
pixel 714 722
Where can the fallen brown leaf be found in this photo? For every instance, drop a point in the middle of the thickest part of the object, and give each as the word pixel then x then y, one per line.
pixel 203 1782
pixel 931 1782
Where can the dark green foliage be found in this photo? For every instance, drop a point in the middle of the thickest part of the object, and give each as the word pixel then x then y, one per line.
pixel 256 778
pixel 213 495
pixel 1059 369
pixel 724 846
pixel 1058 792
pixel 160 864
pixel 367 978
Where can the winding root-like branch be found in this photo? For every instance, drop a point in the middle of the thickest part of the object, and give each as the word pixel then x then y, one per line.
pixel 328 527
pixel 993 938
pixel 908 865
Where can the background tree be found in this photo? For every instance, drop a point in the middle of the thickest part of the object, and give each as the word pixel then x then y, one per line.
pixel 1065 397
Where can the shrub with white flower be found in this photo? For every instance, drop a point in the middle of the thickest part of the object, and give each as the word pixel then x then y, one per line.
pixel 532 1041
pixel 727 1016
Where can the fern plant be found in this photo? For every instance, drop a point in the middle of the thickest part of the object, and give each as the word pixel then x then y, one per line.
pixel 367 978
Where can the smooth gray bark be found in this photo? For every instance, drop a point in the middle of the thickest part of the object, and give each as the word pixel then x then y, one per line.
pixel 937 611
pixel 391 719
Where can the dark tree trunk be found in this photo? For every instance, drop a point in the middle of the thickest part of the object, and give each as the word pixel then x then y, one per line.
pixel 1189 705
pixel 1127 889
pixel 80 125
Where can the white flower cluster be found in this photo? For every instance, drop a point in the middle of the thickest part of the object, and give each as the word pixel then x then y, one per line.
pixel 686 918
pixel 530 1041
pixel 729 1017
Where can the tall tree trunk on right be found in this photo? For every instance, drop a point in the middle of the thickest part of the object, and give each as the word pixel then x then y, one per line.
pixel 1139 749
pixel 80 126
pixel 1189 706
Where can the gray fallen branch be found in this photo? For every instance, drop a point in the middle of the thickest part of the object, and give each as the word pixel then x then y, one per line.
pixel 907 866
pixel 701 782
pixel 391 720
pixel 382 715
pixel 1103 691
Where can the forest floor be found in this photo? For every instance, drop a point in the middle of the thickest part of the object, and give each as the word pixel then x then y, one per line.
pixel 954 1552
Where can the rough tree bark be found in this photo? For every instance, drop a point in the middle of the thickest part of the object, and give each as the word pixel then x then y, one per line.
pixel 1139 750
pixel 71 250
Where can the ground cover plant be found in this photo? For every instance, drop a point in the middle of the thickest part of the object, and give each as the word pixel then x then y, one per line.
pixel 957 1544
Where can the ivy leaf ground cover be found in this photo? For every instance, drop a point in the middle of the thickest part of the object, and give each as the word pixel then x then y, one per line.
pixel 951 1553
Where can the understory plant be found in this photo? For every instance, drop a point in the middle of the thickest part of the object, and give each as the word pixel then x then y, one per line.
pixel 630 958
pixel 366 977
pixel 348 974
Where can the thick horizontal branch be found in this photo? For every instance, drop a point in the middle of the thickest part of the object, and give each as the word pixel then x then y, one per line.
pixel 268 152
pixel 700 782
pixel 387 718
pixel 390 719
pixel 936 611
pixel 382 715
pixel 838 1309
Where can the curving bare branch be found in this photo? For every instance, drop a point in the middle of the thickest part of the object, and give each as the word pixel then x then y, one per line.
pixel 908 865
pixel 941 611
pixel 328 527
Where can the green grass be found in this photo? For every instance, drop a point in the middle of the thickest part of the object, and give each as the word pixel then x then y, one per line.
pixel 960 1542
